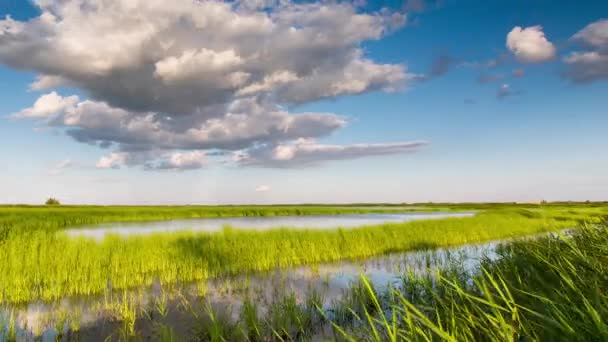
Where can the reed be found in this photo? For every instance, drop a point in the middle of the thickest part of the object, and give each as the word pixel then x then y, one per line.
pixel 44 264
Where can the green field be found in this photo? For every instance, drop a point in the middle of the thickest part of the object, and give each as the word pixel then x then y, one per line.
pixel 43 263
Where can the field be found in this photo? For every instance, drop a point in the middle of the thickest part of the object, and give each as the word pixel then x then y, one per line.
pixel 42 264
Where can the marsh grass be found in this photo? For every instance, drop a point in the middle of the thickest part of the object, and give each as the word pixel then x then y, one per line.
pixel 48 265
pixel 550 289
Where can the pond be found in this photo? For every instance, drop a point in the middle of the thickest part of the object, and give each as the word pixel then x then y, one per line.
pixel 255 223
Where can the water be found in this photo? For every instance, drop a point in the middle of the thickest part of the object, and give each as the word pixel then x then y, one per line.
pixel 253 223
pixel 98 319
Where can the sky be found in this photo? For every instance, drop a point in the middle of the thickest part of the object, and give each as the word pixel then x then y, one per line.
pixel 279 101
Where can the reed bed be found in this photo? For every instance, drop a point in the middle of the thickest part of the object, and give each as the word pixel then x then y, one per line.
pixel 45 264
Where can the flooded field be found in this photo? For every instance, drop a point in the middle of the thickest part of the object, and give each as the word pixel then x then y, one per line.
pixel 258 274
pixel 255 223
pixel 96 317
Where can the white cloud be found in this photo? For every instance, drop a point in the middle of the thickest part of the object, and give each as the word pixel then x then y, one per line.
pixel 182 161
pixel 589 66
pixel 262 188
pixel 47 82
pixel 529 45
pixel 112 161
pixel 47 105
pixel 187 56
pixel 187 78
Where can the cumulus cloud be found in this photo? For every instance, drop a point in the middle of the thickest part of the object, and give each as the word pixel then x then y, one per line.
pixel 112 161
pixel 47 105
pixel 529 45
pixel 247 122
pixel 191 77
pixel 304 153
pixel 591 65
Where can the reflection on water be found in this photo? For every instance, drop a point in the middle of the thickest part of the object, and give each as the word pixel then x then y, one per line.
pixel 254 223
pixel 96 317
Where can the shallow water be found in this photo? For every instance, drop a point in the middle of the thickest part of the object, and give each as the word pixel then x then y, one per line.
pixel 97 319
pixel 254 223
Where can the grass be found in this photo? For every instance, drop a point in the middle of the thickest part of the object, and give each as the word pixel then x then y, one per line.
pixel 44 264
pixel 548 288
pixel 18 219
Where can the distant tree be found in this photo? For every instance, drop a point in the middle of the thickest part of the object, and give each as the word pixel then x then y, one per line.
pixel 52 201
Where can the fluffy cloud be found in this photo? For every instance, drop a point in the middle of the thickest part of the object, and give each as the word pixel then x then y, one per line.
pixel 47 105
pixel 181 80
pixel 589 66
pixel 304 153
pixel 246 123
pixel 188 56
pixel 112 161
pixel 529 45
pixel 154 160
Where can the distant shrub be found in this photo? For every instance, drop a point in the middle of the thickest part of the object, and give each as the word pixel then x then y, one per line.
pixel 52 201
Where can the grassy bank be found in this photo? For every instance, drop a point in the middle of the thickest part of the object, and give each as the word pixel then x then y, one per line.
pixel 44 264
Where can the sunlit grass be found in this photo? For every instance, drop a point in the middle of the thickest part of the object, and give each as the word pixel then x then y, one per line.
pixel 46 264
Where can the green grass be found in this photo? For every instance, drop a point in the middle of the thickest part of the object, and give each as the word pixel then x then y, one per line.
pixel 42 263
pixel 17 219
pixel 552 288
pixel 549 289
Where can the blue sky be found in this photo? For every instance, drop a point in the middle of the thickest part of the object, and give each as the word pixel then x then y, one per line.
pixel 413 114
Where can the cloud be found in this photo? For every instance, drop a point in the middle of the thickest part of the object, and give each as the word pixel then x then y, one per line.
pixel 262 188
pixel 589 66
pixel 247 122
pixel 112 161
pixel 584 67
pixel 181 161
pixel 594 35
pixel 60 167
pixel 192 76
pixel 47 82
pixel 47 105
pixel 187 56
pixel 154 160
pixel 305 153
pixel 529 45
pixel 505 91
